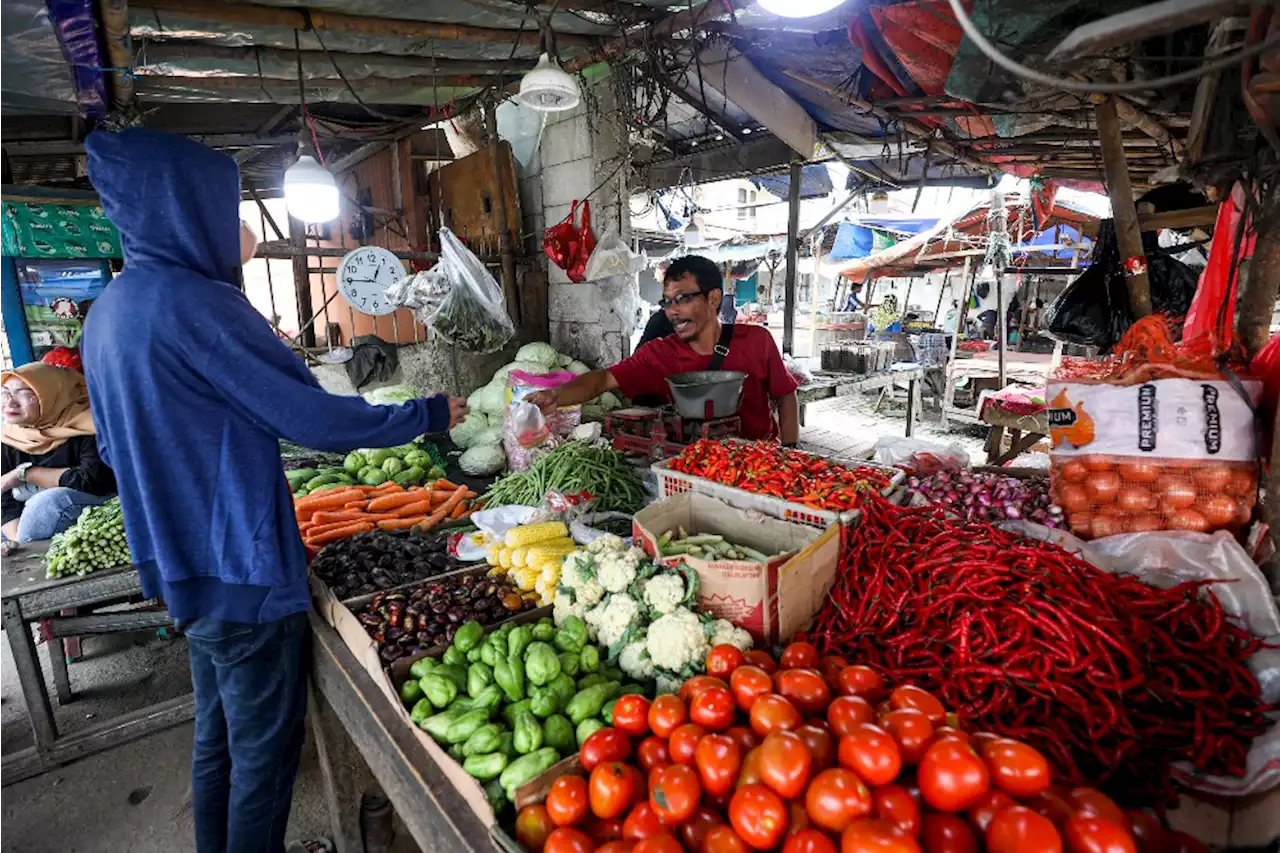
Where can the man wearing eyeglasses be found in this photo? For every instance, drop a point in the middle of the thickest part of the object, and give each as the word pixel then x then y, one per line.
pixel 692 293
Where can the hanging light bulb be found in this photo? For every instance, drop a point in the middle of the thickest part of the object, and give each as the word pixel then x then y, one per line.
pixel 310 192
pixel 692 235
pixel 799 8
pixel 548 88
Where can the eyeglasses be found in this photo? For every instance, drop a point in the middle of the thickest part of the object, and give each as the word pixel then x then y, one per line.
pixel 25 394
pixel 679 299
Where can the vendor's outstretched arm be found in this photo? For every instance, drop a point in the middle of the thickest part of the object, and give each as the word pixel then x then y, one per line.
pixel 789 418
pixel 586 387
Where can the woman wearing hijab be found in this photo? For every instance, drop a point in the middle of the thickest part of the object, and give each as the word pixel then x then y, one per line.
pixel 51 469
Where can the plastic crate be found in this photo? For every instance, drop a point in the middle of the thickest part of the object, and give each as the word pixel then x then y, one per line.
pixel 675 482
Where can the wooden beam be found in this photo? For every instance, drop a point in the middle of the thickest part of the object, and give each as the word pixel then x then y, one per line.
pixel 728 125
pixel 1202 108
pixel 691 18
pixel 1150 20
pixel 249 15
pixel 281 88
pixel 56 147
pixel 1190 218
pixel 1128 233
pixel 734 76
pixel 314 62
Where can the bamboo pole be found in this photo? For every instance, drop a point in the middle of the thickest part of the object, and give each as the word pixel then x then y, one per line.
pixel 1128 233
pixel 114 15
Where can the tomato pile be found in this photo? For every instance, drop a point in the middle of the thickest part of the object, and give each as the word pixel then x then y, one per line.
pixel 1113 679
pixel 767 469
pixel 812 755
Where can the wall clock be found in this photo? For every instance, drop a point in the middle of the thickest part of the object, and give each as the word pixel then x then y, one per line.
pixel 364 276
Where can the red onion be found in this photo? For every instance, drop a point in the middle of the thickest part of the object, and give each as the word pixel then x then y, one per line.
pixel 989 496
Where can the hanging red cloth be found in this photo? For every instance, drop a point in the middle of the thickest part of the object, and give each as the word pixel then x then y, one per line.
pixel 1212 313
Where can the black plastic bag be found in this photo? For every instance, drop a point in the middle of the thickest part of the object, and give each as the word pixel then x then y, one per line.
pixel 1094 309
pixel 372 358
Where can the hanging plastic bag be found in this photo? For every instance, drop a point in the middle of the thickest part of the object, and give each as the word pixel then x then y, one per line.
pixel 558 425
pixel 1207 317
pixel 473 316
pixel 611 257
pixel 569 246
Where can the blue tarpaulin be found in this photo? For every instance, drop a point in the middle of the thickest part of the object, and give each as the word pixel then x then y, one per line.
pixel 815 182
pixel 858 239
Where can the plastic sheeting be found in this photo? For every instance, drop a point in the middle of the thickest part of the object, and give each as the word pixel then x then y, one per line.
pixel 815 182
pixel 36 77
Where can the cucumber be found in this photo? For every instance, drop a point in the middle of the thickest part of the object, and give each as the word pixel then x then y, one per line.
pixel 321 480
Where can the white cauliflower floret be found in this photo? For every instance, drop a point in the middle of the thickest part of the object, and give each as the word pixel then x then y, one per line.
pixel 727 633
pixel 677 640
pixel 664 592
pixel 668 683
pixel 589 592
pixel 564 606
pixel 608 543
pixel 577 567
pixel 616 571
pixel 634 660
pixel 620 612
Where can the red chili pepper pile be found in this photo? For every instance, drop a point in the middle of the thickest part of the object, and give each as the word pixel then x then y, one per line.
pixel 769 469
pixel 1113 679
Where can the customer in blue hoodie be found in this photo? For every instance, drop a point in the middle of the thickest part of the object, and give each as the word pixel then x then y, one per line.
pixel 190 392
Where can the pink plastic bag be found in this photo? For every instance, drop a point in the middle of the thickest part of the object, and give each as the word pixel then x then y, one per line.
pixel 522 438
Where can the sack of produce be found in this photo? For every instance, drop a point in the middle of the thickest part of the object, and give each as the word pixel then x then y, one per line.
pixel 1154 437
pixel 522 435
pixel 473 315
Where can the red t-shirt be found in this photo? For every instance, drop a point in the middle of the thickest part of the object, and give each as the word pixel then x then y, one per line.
pixel 752 351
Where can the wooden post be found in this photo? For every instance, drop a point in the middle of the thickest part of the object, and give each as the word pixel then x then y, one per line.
pixel 906 299
pixel 793 257
pixel 942 293
pixel 505 251
pixel 949 389
pixel 1002 331
pixel 302 281
pixel 1128 234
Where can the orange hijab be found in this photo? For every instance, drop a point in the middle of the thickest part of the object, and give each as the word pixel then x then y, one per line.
pixel 64 409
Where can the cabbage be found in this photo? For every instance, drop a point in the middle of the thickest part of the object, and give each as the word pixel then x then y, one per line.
pixel 543 353
pixel 483 460
pixel 464 434
pixel 562 361
pixel 488 435
pixel 491 399
pixel 577 367
pixel 609 401
pixel 533 368
pixel 391 395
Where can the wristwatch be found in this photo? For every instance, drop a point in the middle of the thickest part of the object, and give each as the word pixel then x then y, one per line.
pixel 22 473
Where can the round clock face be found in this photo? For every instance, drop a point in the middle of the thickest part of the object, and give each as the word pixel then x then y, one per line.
pixel 364 276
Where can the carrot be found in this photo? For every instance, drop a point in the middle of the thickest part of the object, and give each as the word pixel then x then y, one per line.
pixel 304 526
pixel 387 488
pixel 442 483
pixel 400 523
pixel 332 499
pixel 355 505
pixel 334 525
pixel 458 511
pixel 336 532
pixel 389 502
pixel 332 517
pixel 415 508
pixel 442 512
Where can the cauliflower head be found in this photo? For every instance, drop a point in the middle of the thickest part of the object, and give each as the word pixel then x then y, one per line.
pixel 677 640
pixel 617 570
pixel 563 606
pixel 579 574
pixel 668 683
pixel 608 543
pixel 726 633
pixel 619 614
pixel 663 593
pixel 634 660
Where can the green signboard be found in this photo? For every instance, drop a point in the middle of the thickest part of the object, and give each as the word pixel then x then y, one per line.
pixel 58 231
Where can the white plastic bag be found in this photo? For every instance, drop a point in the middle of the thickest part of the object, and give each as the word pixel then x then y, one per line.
pixel 611 257
pixel 473 316
pixel 923 457
pixel 1165 559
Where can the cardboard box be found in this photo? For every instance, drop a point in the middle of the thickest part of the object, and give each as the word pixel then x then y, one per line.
pixel 771 601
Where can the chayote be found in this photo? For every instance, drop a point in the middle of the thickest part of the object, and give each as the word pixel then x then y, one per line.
pixel 541 664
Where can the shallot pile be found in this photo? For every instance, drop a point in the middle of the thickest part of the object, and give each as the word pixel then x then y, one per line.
pixel 987 496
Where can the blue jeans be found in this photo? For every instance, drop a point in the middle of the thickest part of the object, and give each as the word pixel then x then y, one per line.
pixel 51 511
pixel 251 704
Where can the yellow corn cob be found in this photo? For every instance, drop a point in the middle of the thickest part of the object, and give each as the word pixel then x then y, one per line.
pixel 504 557
pixel 542 552
pixel 517 556
pixel 491 555
pixel 550 572
pixel 525 578
pixel 497 572
pixel 529 534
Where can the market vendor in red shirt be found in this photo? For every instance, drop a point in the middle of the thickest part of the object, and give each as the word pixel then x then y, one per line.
pixel 692 290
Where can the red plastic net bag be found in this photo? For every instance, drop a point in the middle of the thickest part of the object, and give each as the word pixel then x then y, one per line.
pixel 1155 437
pixel 569 246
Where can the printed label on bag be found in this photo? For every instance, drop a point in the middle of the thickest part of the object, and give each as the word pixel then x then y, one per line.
pixel 1164 419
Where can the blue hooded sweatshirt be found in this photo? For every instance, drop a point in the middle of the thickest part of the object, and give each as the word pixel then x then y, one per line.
pixel 191 390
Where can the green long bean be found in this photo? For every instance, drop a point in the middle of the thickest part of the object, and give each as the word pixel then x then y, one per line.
pixel 569 468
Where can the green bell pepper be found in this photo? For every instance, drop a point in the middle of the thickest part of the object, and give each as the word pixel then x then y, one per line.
pixel 484 739
pixel 468 636
pixel 606 713
pixel 509 674
pixel 543 702
pixel 541 664
pixel 525 769
pixel 558 733
pixel 410 692
pixel 588 703
pixel 479 676
pixel 439 689
pixel 528 733
pixel 465 725
pixel 518 640
pixel 422 666
pixel 454 656
pixel 544 632
pixel 485 766
pixel 587 728
pixel 589 659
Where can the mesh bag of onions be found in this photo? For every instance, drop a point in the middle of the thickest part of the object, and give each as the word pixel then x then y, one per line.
pixel 1154 437
pixel 987 496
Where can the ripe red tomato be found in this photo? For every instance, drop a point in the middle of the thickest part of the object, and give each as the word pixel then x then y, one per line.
pixel 771 713
pixel 693 832
pixel 952 776
pixel 719 761
pixel 612 787
pixel 713 709
pixel 870 835
pixel 808 841
pixel 683 741
pixel 911 730
pixel 799 656
pixel 948 733
pixel 858 680
pixel 870 752
pixel 607 744
pixel 693 686
pixel 746 739
pixel 1090 802
pixel 1089 834
pixel 908 696
pixel 830 666
pixel 676 795
pixel 836 798
pixel 894 803
pixel 723 660
pixel 759 816
pixel 1018 829
pixel 652 752
pixel 978 740
pixel 533 825
pixel 947 833
pixel 723 839
pixel 987 807
pixel 750 774
pixel 616 846
pixel 1052 806
pixel 748 684
pixel 805 689
pixel 797 817
pixel 822 746
pixel 603 829
pixel 785 764
pixel 1017 769
pixel 641 822
pixel 631 715
pixel 847 711
pixel 567 800
pixel 568 840
pixel 666 712
pixel 1148 831
pixel 761 659
pixel 663 843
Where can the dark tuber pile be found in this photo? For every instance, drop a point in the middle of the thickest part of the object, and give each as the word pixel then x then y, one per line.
pixel 369 562
pixel 402 623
